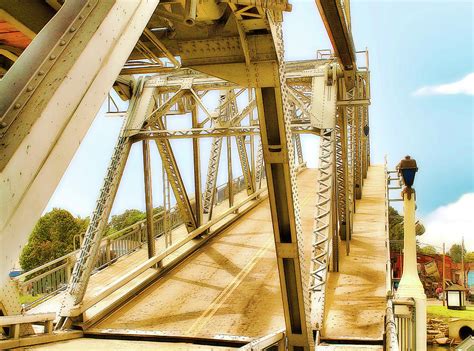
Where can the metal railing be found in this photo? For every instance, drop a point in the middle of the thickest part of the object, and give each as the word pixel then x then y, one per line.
pixel 52 277
pixel 404 313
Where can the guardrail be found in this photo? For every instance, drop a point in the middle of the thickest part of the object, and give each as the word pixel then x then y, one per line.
pixel 50 278
pixel 405 321
pixel 391 338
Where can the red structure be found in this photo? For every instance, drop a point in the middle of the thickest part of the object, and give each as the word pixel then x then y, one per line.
pixel 430 268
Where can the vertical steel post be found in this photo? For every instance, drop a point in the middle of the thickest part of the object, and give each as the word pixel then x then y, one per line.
pixel 230 180
pixel 444 274
pixel 148 199
pixel 282 193
pixel 252 143
pixel 334 221
pixel 197 171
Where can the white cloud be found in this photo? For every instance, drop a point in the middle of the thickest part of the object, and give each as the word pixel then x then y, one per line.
pixel 463 86
pixel 450 223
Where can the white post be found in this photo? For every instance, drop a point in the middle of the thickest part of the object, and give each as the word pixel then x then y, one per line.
pixel 410 284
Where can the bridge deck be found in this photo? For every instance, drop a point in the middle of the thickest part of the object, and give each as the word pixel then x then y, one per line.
pixel 228 288
pixel 124 265
pixel 355 297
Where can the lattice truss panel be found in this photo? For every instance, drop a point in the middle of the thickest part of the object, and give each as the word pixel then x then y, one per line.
pixel 322 232
pixel 138 110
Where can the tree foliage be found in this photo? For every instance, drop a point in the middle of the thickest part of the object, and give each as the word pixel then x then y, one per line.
pixel 456 251
pixel 469 257
pixel 52 237
pixel 428 250
pixel 124 220
pixel 396 233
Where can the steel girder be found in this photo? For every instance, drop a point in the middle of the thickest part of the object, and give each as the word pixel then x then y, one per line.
pixel 198 208
pixel 303 128
pixel 235 120
pixel 50 97
pixel 342 178
pixel 260 167
pixel 323 228
pixel 175 179
pixel 349 115
pixel 358 117
pixel 244 162
pixel 211 179
pixel 299 148
pixel 275 115
pixel 147 180
pixel 140 106
pixel 223 117
pixel 365 144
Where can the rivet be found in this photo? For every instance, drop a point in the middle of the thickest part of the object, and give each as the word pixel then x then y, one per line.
pixel 40 73
pixel 89 4
pixel 62 43
pixel 81 17
pixel 29 88
pixel 17 106
pixel 72 29
pixel 52 57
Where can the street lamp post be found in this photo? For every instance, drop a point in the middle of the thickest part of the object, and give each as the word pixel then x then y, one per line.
pixel 410 284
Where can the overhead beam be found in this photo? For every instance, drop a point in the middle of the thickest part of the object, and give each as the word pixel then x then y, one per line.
pixel 30 14
pixel 337 23
pixel 304 128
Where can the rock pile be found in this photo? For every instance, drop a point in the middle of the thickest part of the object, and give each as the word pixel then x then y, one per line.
pixel 437 331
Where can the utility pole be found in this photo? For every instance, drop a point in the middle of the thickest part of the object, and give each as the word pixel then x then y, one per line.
pixel 444 274
pixel 462 262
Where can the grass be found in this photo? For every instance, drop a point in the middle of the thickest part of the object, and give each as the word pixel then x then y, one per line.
pixel 27 299
pixel 443 312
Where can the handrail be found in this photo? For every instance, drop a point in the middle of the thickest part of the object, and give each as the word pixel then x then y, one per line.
pixel 55 274
pixel 113 236
pixel 391 339
pixel 273 339
pixel 388 263
pixel 391 336
pixel 405 321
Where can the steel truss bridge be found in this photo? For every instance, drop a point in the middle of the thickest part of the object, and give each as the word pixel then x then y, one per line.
pixel 281 257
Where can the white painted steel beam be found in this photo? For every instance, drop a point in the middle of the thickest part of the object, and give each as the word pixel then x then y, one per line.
pixel 63 104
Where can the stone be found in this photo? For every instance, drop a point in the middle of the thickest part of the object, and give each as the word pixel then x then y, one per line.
pixel 442 341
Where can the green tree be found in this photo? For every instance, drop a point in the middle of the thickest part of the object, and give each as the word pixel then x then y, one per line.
pixel 469 257
pixel 124 220
pixel 395 222
pixel 456 251
pixel 428 250
pixel 52 237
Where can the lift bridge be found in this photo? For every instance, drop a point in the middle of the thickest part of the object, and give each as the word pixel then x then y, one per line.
pixel 282 257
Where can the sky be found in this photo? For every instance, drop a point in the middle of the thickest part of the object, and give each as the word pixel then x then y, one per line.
pixel 422 85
